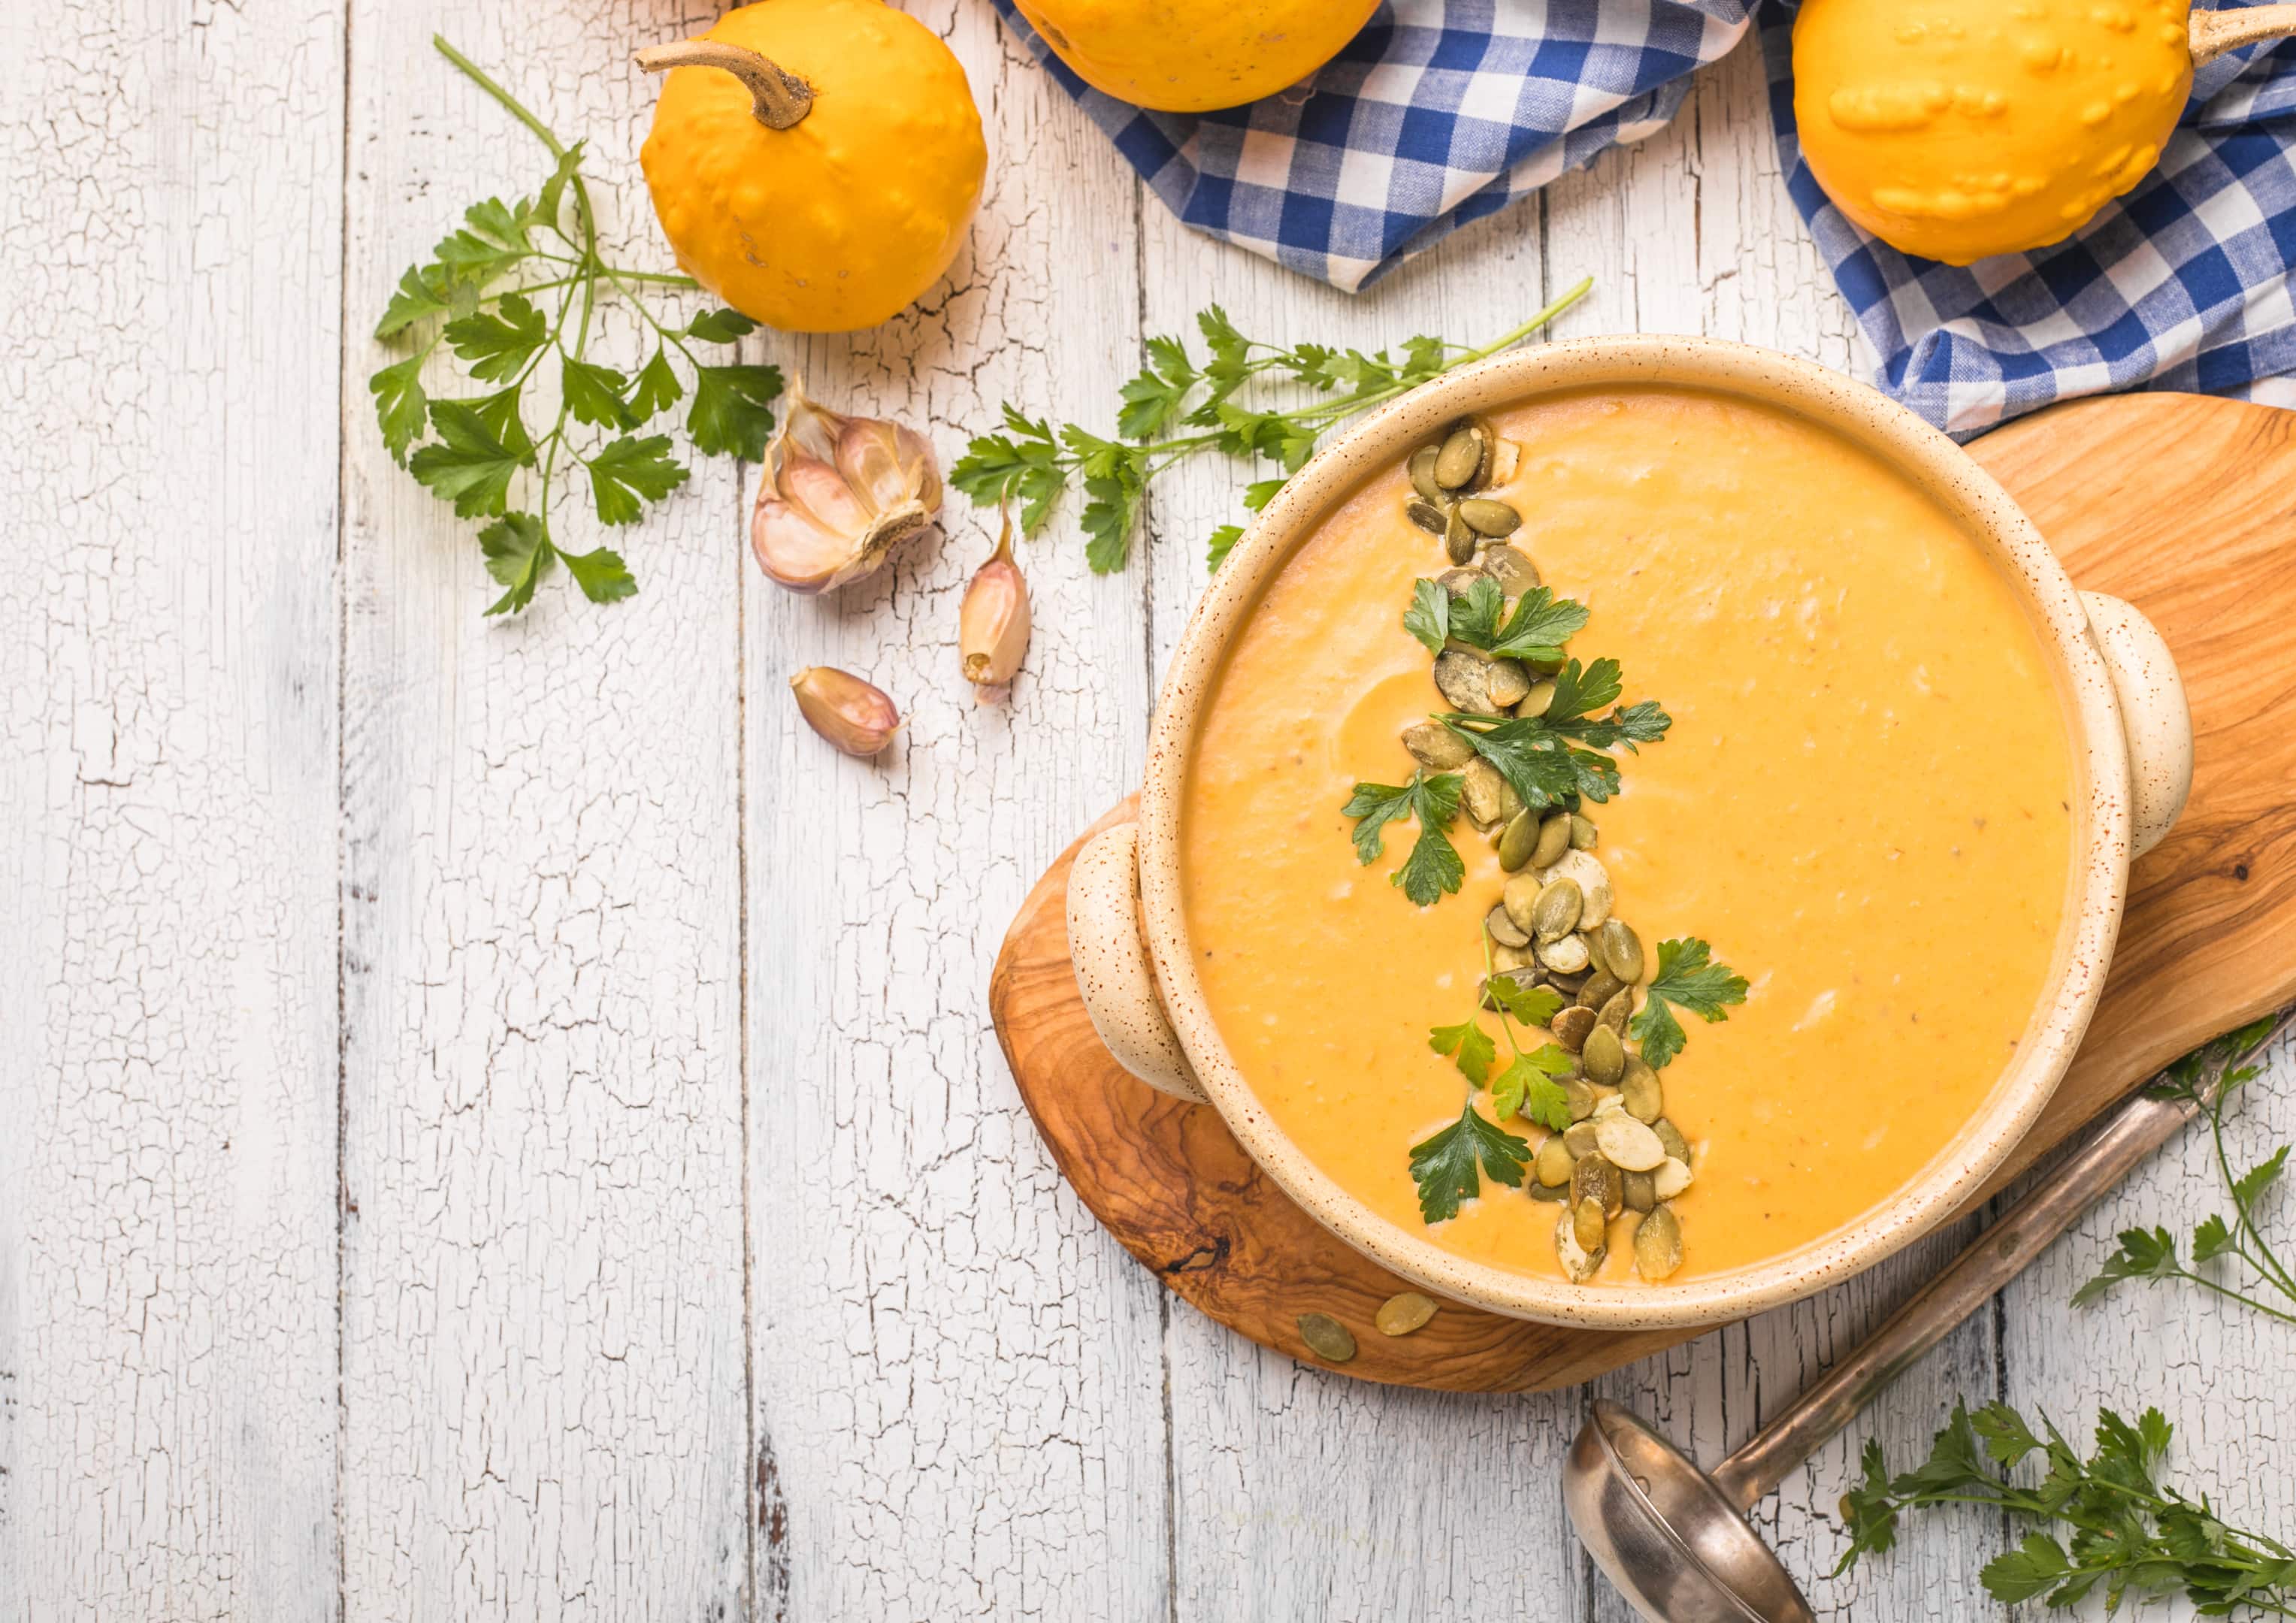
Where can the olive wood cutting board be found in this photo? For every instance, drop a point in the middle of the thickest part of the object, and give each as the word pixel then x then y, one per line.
pixel 2179 504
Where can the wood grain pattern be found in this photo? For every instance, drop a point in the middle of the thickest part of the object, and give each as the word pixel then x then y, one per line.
pixel 1174 1187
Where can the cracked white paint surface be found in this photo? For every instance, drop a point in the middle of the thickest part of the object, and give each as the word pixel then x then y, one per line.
pixel 603 1330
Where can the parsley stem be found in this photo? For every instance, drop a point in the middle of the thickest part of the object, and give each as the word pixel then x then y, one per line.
pixel 477 75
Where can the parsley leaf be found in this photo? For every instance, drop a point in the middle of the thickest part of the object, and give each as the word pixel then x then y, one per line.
pixel 1222 543
pixel 1687 979
pixel 400 406
pixel 1475 615
pixel 1528 1087
pixel 1444 1166
pixel 1429 618
pixel 1532 1005
pixel 628 473
pixel 593 394
pixel 1433 870
pixel 1173 409
pixel 729 416
pixel 518 555
pixel 2143 1254
pixel 1540 624
pixel 470 465
pixel 720 326
pixel 601 574
pixel 1535 762
pixel 655 390
pixel 1469 1045
pixel 497 344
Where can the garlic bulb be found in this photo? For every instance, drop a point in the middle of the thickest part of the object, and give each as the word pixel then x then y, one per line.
pixel 993 624
pixel 855 717
pixel 836 494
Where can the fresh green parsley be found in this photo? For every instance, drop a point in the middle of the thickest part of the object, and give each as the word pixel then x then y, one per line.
pixel 474 451
pixel 1433 870
pixel 2129 1533
pixel 1178 407
pixel 2209 1077
pixel 1687 979
pixel 1444 1166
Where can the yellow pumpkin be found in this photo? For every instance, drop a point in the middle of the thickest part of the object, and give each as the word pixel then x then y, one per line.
pixel 1195 56
pixel 1956 130
pixel 815 163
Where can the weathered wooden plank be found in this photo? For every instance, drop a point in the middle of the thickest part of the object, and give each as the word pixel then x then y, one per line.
pixel 960 1409
pixel 543 1336
pixel 172 173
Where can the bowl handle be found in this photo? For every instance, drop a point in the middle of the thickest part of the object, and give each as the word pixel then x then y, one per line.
pixel 1111 963
pixel 2153 715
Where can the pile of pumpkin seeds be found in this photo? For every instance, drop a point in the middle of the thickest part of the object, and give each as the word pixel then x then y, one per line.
pixel 1554 924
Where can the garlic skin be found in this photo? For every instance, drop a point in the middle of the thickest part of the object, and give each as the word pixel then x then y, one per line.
pixel 993 623
pixel 836 493
pixel 851 714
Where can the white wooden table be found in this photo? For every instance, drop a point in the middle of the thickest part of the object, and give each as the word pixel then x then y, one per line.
pixel 497 1121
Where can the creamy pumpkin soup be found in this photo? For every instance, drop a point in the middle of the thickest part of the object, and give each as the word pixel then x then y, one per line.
pixel 1629 839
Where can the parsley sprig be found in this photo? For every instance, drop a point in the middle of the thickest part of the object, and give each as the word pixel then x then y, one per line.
pixel 2129 1533
pixel 1433 870
pixel 2151 1254
pixel 1687 979
pixel 1443 1164
pixel 471 450
pixel 1034 460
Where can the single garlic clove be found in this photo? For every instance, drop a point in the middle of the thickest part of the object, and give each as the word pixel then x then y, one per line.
pixel 851 714
pixel 993 622
pixel 836 494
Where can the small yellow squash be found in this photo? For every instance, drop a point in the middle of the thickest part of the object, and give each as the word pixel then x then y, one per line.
pixel 815 163
pixel 1195 56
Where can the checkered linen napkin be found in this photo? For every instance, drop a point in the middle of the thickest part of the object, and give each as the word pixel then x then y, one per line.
pixel 1442 112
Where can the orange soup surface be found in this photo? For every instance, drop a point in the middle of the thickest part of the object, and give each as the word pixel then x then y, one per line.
pixel 1865 805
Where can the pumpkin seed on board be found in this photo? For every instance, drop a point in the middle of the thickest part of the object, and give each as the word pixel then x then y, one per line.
pixel 1488 517
pixel 1621 950
pixel 1512 568
pixel 1605 1058
pixel 1428 516
pixel 1501 926
pixel 1570 1026
pixel 1433 744
pixel 1583 832
pixel 1460 459
pixel 1657 1244
pixel 1645 1097
pixel 1459 541
pixel 1422 469
pixel 1401 1315
pixel 1327 1338
pixel 1517 843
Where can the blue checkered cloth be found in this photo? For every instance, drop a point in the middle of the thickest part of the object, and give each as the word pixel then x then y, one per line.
pixel 1443 111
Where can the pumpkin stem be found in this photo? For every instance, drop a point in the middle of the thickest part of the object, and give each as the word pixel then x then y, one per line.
pixel 783 98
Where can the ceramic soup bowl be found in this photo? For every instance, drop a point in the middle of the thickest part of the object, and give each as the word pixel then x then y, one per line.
pixel 2130 746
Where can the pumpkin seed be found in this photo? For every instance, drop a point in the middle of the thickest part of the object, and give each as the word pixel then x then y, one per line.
pixel 1671 1136
pixel 1461 457
pixel 1567 982
pixel 1500 466
pixel 1458 583
pixel 1555 914
pixel 1536 703
pixel 1593 880
pixel 1580 1097
pixel 1645 1099
pixel 1588 1223
pixel 1657 1244
pixel 1459 542
pixel 1619 1010
pixel 1506 958
pixel 1428 516
pixel 1433 744
pixel 1622 950
pixel 1549 1192
pixel 1671 1178
pixel 1601 987
pixel 1521 893
pixel 1566 956
pixel 1630 1144
pixel 1422 469
pixel 1605 1058
pixel 1463 679
pixel 1553 838
pixel 1596 1178
pixel 1401 1315
pixel 1501 926
pixel 1507 683
pixel 1518 841
pixel 1512 568
pixel 1570 1028
pixel 1482 792
pixel 1327 1338
pixel 1583 832
pixel 1554 1161
pixel 1640 1190
pixel 1578 1137
pixel 1579 1264
pixel 1488 517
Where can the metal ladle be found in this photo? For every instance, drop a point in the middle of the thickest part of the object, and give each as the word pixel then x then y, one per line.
pixel 1675 1540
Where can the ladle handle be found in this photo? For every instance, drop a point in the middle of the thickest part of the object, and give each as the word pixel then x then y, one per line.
pixel 1995 1257
pixel 2214 33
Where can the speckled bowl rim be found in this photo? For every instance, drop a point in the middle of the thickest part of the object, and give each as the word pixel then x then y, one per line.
pixel 2097 878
